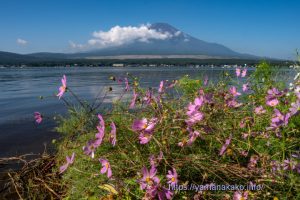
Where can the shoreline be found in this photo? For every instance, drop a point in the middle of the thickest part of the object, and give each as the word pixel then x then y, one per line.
pixel 31 139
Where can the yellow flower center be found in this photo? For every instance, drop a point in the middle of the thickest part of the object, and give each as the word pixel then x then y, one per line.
pixel 144 126
pixel 148 179
pixel 173 179
pixel 229 152
pixel 63 88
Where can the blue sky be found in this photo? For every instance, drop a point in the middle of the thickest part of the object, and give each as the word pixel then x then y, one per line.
pixel 259 27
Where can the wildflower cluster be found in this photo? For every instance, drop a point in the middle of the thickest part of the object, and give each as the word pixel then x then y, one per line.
pixel 237 131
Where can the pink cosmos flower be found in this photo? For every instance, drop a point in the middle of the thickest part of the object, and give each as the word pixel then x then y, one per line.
pixel 149 179
pixel 172 177
pixel 101 130
pixel 69 160
pixel 201 92
pixel 183 142
pixel 134 97
pixel 233 91
pixel 145 137
pixel 161 87
pixel 174 82
pixel 144 125
pixel 126 84
pixel 245 87
pixel 273 127
pixel 38 117
pixel 238 72
pixel 105 167
pixel 208 98
pixel 193 107
pixel 193 114
pixel 199 101
pixel 288 164
pixel 164 194
pixel 259 110
pixel 244 72
pixel 233 103
pixel 272 102
pixel 194 118
pixel 148 97
pixel 145 128
pixel 280 119
pixel 91 147
pixel 274 92
pixel 100 135
pixel 113 135
pixel 158 192
pixel 63 88
pixel 226 144
pixel 242 123
pixel 101 121
pixel 240 195
pixel 192 137
pixel 155 161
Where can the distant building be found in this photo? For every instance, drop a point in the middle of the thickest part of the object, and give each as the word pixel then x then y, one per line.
pixel 118 65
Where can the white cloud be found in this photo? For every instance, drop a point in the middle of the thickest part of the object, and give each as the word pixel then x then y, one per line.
pixel 21 42
pixel 118 35
pixel 76 46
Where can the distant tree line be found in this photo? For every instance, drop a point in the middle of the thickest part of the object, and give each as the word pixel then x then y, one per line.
pixel 138 62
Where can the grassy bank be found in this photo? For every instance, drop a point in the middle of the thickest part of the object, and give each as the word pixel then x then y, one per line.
pixel 183 140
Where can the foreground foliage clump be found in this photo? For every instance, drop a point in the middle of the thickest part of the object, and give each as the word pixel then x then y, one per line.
pixel 243 130
pixel 168 141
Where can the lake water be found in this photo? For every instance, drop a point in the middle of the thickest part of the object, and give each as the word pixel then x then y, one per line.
pixel 21 87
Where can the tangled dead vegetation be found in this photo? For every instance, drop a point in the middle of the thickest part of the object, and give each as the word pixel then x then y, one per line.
pixel 33 178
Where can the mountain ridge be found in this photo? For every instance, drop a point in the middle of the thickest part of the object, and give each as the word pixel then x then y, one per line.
pixel 180 44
